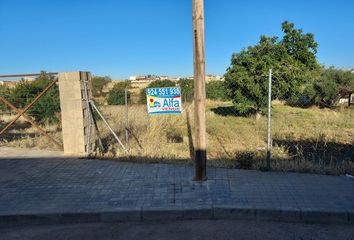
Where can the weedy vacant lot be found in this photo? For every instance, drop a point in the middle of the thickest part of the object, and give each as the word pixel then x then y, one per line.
pixel 303 139
pixel 22 134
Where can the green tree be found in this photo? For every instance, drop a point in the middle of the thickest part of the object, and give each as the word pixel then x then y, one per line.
pixel 117 95
pixel 216 90
pixel 302 47
pixel 48 104
pixel 6 93
pixel 155 84
pixel 98 84
pixel 332 85
pixel 292 59
pixel 22 93
pixel 187 89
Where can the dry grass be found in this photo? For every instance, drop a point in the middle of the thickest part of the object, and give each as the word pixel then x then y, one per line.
pixel 23 135
pixel 304 140
pixel 152 136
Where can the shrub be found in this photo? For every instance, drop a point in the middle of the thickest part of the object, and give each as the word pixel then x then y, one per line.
pixel 155 84
pixel 98 84
pixel 187 89
pixel 44 109
pixel 117 95
pixel 245 160
pixel 22 93
pixel 216 90
pixel 332 85
pixel 6 93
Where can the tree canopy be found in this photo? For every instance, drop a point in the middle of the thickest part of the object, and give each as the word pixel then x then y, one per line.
pixel 6 93
pixel 117 95
pixel 24 92
pixel 332 85
pixel 98 84
pixel 187 89
pixel 292 58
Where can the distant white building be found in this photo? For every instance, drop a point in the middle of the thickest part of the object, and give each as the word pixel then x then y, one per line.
pixel 10 84
pixel 28 79
pixel 175 79
pixel 213 78
pixel 347 100
pixel 137 78
pixel 148 78
pixel 163 77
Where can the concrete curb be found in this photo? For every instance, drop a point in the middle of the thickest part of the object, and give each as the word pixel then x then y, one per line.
pixel 154 214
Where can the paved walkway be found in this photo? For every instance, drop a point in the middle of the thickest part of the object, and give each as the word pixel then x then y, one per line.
pixel 54 189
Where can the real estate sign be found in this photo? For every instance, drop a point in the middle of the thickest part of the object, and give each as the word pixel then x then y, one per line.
pixel 164 100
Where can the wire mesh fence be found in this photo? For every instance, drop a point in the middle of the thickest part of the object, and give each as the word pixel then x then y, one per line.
pixel 302 137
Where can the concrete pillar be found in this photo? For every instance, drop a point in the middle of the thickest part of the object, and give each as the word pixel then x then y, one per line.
pixel 74 113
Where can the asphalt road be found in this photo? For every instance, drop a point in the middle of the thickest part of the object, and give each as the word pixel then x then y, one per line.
pixel 195 229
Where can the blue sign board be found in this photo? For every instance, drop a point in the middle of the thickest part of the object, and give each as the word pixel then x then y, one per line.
pixel 164 100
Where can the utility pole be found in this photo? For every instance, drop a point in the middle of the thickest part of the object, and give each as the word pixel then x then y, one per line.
pixel 199 90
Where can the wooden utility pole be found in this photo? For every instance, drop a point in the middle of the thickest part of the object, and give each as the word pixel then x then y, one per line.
pixel 199 90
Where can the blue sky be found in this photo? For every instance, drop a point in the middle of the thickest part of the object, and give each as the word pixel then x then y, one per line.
pixel 120 38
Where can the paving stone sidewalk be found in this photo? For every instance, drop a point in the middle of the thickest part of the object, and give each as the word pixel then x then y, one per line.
pixel 57 189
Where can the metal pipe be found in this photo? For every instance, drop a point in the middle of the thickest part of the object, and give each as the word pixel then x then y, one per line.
pixel 126 117
pixel 269 118
pixel 108 126
pixel 28 75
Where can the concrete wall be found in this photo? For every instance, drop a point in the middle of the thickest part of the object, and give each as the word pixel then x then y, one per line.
pixel 75 121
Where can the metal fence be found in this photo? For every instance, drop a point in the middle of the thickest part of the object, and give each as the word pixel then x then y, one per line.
pixel 25 121
pixel 287 135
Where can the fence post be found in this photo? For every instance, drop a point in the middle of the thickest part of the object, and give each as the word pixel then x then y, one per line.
pixel 269 119
pixel 126 117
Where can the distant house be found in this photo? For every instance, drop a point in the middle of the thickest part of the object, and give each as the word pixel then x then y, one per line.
pixel 137 78
pixel 28 79
pixel 162 78
pixel 109 86
pixel 10 84
pixel 347 100
pixel 209 78
pixel 175 79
